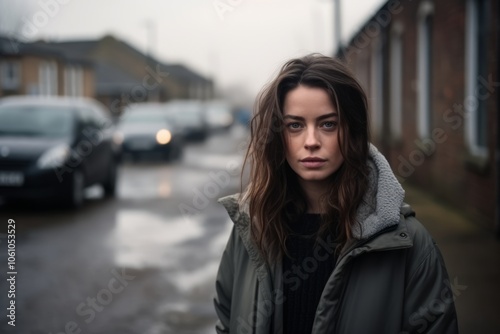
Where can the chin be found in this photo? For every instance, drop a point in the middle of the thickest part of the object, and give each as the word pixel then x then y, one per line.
pixel 314 178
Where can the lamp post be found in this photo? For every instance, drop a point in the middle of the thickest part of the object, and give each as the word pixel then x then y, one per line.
pixel 153 95
pixel 151 28
pixel 338 28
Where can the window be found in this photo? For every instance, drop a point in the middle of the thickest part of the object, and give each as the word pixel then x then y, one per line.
pixel 396 80
pixel 10 75
pixel 47 80
pixel 424 68
pixel 475 69
pixel 73 81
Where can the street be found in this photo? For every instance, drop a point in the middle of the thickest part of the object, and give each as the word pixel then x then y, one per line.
pixel 143 262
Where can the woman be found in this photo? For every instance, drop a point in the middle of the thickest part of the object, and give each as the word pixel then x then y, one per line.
pixel 322 241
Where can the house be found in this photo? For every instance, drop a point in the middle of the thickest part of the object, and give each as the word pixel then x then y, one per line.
pixel 37 70
pixel 125 75
pixel 431 71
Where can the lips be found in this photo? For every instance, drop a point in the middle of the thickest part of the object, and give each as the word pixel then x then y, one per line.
pixel 313 162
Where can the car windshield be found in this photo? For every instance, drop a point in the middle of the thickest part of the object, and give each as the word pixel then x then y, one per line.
pixel 189 116
pixel 144 117
pixel 36 121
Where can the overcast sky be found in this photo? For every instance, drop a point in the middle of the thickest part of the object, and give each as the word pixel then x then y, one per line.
pixel 239 42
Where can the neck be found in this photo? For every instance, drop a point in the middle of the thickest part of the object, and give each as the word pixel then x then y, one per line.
pixel 313 192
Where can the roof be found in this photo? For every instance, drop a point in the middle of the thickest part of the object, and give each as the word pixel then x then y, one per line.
pixel 83 50
pixel 111 80
pixel 14 47
pixel 73 49
pixel 363 26
pixel 184 74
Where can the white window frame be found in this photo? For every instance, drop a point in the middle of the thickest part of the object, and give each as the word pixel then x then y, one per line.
pixel 73 80
pixel 7 82
pixel 47 80
pixel 377 88
pixel 396 81
pixel 472 54
pixel 424 71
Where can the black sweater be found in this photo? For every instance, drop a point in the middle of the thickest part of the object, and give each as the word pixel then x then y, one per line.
pixel 305 273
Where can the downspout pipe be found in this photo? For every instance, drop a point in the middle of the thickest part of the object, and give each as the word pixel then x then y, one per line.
pixel 497 130
pixel 337 17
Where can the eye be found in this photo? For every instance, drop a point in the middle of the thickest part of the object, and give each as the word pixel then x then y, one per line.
pixel 329 124
pixel 294 126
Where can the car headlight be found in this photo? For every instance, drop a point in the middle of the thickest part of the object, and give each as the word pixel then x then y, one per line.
pixel 54 157
pixel 163 137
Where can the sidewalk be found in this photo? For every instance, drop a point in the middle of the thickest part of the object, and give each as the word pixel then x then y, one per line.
pixel 472 256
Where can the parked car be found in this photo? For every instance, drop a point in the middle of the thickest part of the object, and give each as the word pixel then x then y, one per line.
pixel 219 115
pixel 54 147
pixel 189 117
pixel 148 129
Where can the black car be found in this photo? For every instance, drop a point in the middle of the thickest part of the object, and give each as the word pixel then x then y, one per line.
pixel 54 147
pixel 147 129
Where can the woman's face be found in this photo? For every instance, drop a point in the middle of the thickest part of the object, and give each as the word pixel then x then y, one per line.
pixel 311 135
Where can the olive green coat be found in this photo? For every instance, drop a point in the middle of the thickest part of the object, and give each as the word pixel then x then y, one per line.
pixel 390 279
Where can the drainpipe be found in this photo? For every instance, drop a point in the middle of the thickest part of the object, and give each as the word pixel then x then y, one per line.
pixel 497 148
pixel 337 26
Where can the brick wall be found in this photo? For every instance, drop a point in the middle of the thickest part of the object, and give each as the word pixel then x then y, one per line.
pixel 441 164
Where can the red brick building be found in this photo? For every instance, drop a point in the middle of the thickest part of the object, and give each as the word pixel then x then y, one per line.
pixel 431 71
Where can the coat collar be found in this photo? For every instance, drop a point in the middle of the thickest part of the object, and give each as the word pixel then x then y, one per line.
pixel 239 215
pixel 381 204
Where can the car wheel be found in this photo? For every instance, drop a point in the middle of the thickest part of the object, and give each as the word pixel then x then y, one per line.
pixel 75 196
pixel 110 184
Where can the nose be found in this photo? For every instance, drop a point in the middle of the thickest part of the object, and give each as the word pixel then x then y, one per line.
pixel 312 141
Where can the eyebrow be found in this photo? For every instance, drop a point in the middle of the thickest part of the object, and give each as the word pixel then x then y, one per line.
pixel 299 118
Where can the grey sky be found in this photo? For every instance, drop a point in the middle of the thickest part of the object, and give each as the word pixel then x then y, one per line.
pixel 242 46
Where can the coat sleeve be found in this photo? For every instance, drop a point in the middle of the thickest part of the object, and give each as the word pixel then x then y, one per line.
pixel 429 298
pixel 224 287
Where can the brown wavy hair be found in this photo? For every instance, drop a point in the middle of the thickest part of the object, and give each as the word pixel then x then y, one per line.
pixel 273 193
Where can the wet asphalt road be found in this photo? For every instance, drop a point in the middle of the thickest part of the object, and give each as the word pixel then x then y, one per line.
pixel 143 262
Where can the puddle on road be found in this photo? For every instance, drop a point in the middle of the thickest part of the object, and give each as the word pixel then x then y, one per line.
pixel 187 251
pixel 177 245
pixel 143 239
pixel 214 162
pixel 142 183
pixel 188 280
